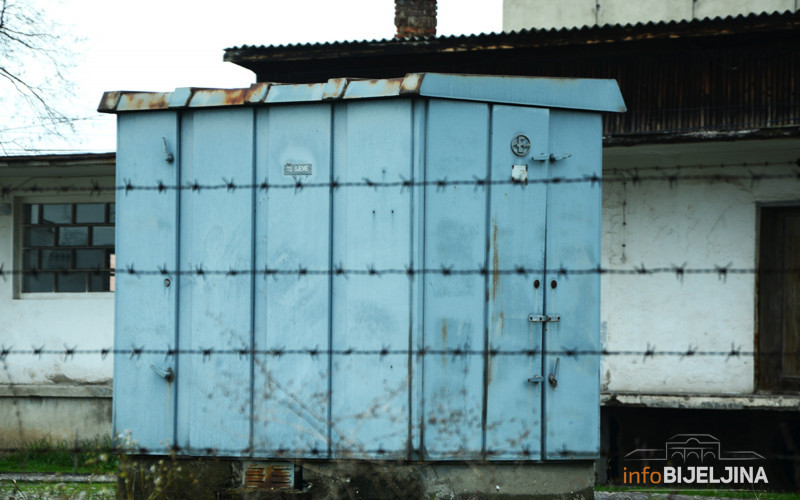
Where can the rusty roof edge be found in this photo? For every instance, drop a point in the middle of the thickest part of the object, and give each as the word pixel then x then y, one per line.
pixel 257 93
pixel 335 88
pixel 109 101
pixel 412 83
pixel 571 93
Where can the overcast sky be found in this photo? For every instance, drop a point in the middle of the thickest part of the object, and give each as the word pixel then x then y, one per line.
pixel 158 45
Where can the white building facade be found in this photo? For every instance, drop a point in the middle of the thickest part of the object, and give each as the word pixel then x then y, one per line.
pixel 549 14
pixel 56 297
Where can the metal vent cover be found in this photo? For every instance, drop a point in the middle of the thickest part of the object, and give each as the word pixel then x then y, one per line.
pixel 268 475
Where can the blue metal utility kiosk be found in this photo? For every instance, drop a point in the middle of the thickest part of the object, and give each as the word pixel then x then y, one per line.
pixel 382 269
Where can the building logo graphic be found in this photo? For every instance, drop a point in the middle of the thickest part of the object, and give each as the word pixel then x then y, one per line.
pixel 695 459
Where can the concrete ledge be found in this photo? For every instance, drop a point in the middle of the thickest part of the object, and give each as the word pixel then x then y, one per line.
pixel 219 478
pixel 54 413
pixel 449 480
pixel 56 391
pixel 703 401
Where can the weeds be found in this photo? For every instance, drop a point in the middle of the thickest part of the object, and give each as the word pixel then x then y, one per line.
pixel 42 456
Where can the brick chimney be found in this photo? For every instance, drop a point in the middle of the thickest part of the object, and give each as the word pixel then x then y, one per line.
pixel 415 18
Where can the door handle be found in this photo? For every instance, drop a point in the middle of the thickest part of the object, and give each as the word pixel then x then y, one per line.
pixel 535 379
pixel 553 377
pixel 167 374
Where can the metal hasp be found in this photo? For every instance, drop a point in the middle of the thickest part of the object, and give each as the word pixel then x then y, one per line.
pixel 544 318
pixel 553 377
pixel 551 156
pixel 167 374
pixel 168 157
pixel 345 269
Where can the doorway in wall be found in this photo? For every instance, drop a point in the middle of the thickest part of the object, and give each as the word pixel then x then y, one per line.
pixel 779 299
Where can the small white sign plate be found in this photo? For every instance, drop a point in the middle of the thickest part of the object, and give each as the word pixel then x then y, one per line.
pixel 519 173
pixel 296 169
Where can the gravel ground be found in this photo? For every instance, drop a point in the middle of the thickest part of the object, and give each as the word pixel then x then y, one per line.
pixel 58 478
pixel 618 495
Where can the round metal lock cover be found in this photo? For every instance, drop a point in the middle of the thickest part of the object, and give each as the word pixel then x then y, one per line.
pixel 520 145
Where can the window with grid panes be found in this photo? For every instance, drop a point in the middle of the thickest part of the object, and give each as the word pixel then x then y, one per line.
pixel 68 247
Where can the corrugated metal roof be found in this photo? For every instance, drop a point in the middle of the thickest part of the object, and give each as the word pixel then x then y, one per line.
pixel 569 93
pixel 62 159
pixel 58 165
pixel 551 33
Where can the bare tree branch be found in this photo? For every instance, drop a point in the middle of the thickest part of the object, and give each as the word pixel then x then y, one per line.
pixel 34 58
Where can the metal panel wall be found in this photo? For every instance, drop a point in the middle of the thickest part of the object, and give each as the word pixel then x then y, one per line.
pixel 457 148
pixel 146 238
pixel 293 313
pixel 572 408
pixel 216 233
pixel 338 370
pixel 372 230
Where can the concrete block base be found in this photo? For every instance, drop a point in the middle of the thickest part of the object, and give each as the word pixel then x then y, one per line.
pixel 356 479
pixel 54 414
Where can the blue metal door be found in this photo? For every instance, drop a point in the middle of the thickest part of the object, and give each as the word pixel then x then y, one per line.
pixel 146 307
pixel 517 214
pixel 572 394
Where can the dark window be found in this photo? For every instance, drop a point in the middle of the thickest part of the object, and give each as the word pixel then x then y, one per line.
pixel 779 299
pixel 68 247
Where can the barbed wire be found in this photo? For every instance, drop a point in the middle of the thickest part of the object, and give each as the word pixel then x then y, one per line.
pixel 245 353
pixel 287 453
pixel 699 166
pixel 722 271
pixel 229 185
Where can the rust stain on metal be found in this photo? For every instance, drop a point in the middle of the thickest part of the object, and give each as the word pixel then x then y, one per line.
pixel 495 261
pixel 234 96
pixel 218 97
pixel 359 89
pixel 109 101
pixel 444 340
pixel 257 93
pixel 411 83
pixel 144 100
pixel 308 86
pixel 502 318
pixel 335 88
pixel 272 477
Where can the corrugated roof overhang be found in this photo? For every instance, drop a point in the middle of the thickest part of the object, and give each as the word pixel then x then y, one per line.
pixel 471 53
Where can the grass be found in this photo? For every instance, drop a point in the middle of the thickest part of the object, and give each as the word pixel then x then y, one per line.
pixel 760 495
pixel 87 457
